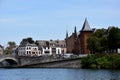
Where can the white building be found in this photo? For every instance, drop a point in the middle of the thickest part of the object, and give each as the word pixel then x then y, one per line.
pixel 28 50
pixel 46 50
pixel 118 50
pixel 51 50
pixel 48 47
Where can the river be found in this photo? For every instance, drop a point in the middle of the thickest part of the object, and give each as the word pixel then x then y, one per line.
pixel 58 74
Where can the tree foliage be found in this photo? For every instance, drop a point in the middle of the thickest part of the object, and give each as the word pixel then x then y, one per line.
pixel 11 43
pixel 96 42
pixel 10 48
pixel 93 44
pixel 101 61
pixel 104 40
pixel 114 38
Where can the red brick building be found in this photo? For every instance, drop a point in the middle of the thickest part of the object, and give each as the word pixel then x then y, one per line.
pixel 77 42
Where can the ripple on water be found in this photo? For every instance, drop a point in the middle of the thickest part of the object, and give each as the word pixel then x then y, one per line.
pixel 58 74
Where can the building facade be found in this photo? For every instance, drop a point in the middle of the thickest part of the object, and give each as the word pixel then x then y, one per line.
pixel 1 50
pixel 77 42
pixel 28 50
pixel 51 47
pixel 61 44
pixel 72 42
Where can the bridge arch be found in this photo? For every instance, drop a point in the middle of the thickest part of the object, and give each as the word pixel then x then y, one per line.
pixel 9 61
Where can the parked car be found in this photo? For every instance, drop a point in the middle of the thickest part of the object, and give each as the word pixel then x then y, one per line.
pixel 67 55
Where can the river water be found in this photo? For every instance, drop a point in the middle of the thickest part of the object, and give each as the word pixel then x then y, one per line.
pixel 58 74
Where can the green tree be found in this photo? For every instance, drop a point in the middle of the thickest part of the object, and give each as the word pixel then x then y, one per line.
pixel 101 61
pixel 100 33
pixel 98 41
pixel 114 38
pixel 104 43
pixel 93 44
pixel 10 48
pixel 7 52
pixel 104 40
pixel 11 43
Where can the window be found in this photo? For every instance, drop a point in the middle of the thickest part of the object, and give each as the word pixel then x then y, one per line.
pixel 53 50
pixel 35 48
pixel 29 52
pixel 47 52
pixel 33 52
pixel 29 47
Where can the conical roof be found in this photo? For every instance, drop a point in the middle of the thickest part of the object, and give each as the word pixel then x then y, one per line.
pixel 86 26
pixel 66 34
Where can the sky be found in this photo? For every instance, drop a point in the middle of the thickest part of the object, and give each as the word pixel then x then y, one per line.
pixel 49 19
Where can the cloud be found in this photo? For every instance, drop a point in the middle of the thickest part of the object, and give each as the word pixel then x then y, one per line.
pixel 5 20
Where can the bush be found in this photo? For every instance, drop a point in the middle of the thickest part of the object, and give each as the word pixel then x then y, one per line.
pixel 101 61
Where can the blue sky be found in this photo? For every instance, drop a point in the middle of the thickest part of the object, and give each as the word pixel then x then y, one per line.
pixel 49 19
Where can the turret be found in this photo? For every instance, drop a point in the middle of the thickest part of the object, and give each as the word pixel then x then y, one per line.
pixel 85 33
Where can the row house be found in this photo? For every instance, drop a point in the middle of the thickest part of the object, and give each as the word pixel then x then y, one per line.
pixel 62 45
pixel 28 50
pixel 55 48
pixel 50 50
pixel 51 47
pixel 43 47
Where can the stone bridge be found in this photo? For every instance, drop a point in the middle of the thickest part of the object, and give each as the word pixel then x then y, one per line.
pixel 51 62
pixel 42 61
pixel 8 60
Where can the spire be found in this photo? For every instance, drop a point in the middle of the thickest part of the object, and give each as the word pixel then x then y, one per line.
pixel 75 31
pixel 66 34
pixel 86 26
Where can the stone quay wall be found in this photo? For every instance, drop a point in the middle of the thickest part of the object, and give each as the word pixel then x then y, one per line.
pixel 49 62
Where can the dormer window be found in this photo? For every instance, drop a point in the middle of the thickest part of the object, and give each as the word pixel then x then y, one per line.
pixel 28 48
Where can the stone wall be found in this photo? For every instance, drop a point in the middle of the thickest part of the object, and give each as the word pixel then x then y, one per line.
pixel 49 62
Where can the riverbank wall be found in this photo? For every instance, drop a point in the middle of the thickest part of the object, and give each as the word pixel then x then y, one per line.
pixel 50 63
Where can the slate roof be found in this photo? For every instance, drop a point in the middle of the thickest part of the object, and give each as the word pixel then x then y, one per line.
pixel 32 45
pixel 1 46
pixel 42 42
pixel 52 43
pixel 28 44
pixel 86 26
pixel 39 47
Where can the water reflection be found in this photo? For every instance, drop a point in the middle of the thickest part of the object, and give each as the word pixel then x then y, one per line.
pixel 58 74
pixel 115 75
pixel 5 64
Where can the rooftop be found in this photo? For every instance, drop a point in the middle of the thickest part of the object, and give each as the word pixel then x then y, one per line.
pixel 86 26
